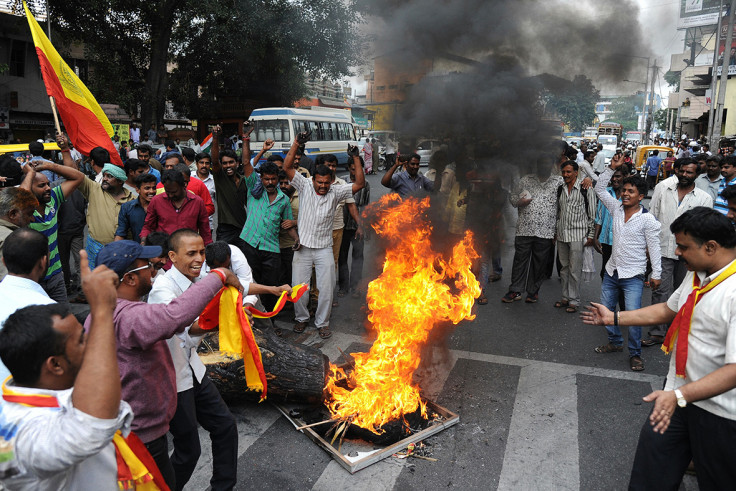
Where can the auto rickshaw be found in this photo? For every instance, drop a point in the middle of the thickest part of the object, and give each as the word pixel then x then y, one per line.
pixel 643 152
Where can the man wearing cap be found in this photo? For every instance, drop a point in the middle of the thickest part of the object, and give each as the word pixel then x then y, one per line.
pixel 105 200
pixel 141 330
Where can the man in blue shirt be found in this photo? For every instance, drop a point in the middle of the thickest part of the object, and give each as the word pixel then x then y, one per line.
pixel 652 168
pixel 407 182
pixel 728 171
pixel 132 214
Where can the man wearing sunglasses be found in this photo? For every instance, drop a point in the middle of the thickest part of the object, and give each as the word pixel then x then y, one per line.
pixel 146 368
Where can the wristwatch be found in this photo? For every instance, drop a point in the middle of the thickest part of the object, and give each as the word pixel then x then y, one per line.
pixel 680 398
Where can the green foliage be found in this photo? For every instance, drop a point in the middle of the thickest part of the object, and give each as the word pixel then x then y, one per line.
pixel 624 111
pixel 572 101
pixel 256 49
pixel 260 51
pixel 660 119
pixel 673 79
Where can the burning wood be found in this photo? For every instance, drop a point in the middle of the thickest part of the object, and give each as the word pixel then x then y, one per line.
pixel 417 289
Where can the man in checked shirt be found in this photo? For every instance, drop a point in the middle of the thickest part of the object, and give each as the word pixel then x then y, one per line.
pixel 635 232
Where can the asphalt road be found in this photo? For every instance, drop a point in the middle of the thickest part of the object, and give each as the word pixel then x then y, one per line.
pixel 539 409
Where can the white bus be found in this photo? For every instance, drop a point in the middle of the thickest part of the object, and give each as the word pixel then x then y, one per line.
pixel 332 130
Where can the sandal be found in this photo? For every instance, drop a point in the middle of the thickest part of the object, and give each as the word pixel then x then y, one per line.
pixel 652 341
pixel 299 327
pixel 341 293
pixel 571 309
pixel 562 303
pixel 636 363
pixel 482 300
pixel 324 332
pixel 277 331
pixel 609 348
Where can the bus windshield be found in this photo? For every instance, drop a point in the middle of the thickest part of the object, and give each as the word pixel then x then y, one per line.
pixel 274 129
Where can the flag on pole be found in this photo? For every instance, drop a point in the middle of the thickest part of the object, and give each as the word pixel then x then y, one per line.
pixel 206 145
pixel 84 119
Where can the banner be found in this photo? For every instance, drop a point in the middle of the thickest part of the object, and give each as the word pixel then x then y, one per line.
pixel 697 13
pixel 122 130
pixel 84 120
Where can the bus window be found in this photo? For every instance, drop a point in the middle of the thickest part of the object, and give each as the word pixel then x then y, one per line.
pixel 345 131
pixel 302 125
pixel 326 131
pixel 275 129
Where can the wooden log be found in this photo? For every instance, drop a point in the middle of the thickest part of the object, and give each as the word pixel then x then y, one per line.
pixel 294 372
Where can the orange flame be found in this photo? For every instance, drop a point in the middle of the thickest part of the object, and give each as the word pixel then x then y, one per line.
pixel 417 289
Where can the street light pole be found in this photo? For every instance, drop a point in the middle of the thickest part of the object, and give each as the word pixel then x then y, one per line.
pixel 713 75
pixel 651 103
pixel 717 123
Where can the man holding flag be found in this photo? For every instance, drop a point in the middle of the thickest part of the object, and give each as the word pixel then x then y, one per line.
pixel 694 417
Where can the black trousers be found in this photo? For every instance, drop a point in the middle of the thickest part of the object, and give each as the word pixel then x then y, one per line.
pixel 230 234
pixel 693 434
pixel 159 450
pixel 530 262
pixel 203 404
pixel 266 267
pixel 287 256
pixel 348 279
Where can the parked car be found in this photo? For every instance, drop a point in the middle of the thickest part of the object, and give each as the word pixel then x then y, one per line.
pixel 425 149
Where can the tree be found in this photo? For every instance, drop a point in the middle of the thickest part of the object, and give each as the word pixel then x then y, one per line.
pixel 673 79
pixel 279 43
pixel 660 119
pixel 232 43
pixel 625 110
pixel 572 101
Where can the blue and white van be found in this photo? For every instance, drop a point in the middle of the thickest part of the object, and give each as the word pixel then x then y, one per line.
pixel 332 130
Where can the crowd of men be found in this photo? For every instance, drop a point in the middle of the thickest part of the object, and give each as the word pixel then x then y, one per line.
pixel 159 237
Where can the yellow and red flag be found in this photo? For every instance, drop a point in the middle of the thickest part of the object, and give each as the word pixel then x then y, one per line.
pixel 84 119
pixel 236 335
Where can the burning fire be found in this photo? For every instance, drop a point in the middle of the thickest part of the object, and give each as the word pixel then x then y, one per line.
pixel 417 289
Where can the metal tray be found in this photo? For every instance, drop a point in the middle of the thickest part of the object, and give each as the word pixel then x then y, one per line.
pixel 355 455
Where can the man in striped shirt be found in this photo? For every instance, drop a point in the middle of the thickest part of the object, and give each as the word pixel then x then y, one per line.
pixel 728 171
pixel 263 224
pixel 318 203
pixel 46 218
pixel 575 223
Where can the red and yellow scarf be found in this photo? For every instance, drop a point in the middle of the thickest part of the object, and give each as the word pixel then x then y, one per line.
pixel 136 467
pixel 680 328
pixel 236 335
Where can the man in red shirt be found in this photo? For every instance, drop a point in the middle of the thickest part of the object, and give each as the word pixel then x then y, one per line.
pixel 176 208
pixel 194 186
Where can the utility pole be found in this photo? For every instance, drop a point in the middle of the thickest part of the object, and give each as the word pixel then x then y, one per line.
pixel 651 103
pixel 713 76
pixel 718 123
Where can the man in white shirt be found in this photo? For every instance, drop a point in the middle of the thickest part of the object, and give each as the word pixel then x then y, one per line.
pixel 694 417
pixel 62 407
pixel 635 232
pixel 673 197
pixel 198 400
pixel 318 201
pixel 26 256
pixel 599 162
pixel 203 163
pixel 135 133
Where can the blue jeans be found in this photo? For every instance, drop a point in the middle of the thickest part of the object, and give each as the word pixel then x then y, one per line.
pixel 632 289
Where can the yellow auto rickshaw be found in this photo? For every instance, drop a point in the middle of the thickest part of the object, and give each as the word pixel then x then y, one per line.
pixel 643 152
